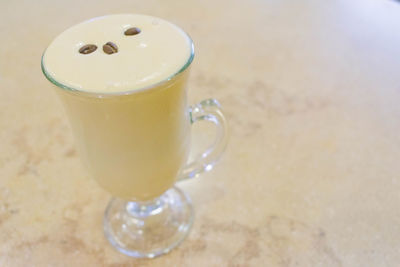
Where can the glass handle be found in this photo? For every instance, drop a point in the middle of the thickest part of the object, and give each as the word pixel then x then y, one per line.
pixel 207 110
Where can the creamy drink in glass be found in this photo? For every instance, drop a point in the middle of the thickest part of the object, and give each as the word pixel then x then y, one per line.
pixel 122 80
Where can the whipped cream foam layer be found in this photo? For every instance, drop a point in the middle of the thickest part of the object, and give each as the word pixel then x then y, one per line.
pixel 158 52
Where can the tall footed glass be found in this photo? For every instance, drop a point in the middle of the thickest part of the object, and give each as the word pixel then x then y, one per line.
pixel 136 145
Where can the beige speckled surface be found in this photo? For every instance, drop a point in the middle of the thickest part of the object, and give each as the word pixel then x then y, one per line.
pixel 311 175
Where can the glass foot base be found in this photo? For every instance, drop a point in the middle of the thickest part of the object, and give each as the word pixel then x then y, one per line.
pixel 148 229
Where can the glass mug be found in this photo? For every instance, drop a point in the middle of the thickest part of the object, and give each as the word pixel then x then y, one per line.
pixel 136 145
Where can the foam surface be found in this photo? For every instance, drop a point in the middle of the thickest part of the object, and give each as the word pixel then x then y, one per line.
pixel 159 51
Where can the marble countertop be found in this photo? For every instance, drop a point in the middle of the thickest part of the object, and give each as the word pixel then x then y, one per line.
pixel 311 173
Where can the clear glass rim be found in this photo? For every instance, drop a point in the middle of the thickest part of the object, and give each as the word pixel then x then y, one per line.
pixel 128 92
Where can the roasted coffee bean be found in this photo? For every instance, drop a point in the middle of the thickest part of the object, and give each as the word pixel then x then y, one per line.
pixel 87 49
pixel 132 31
pixel 110 48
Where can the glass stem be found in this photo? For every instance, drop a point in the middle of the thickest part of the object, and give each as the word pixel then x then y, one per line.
pixel 143 209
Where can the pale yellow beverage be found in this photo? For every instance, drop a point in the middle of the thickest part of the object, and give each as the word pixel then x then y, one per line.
pixel 127 107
